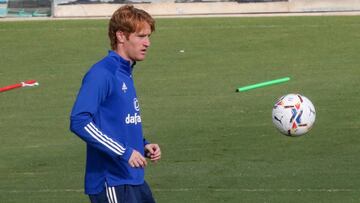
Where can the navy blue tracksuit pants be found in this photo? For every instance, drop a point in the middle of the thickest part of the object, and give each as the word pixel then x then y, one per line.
pixel 124 194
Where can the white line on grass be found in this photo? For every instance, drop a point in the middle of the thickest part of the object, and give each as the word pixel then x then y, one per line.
pixel 327 190
pixel 258 26
pixel 42 191
pixel 257 190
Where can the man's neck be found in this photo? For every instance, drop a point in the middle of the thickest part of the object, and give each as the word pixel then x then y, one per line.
pixel 123 55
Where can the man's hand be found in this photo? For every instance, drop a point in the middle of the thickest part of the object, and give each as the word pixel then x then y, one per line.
pixel 137 160
pixel 153 152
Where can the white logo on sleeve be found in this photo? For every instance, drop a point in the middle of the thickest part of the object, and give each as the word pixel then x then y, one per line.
pixel 124 87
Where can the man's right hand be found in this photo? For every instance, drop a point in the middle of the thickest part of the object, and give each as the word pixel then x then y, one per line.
pixel 137 160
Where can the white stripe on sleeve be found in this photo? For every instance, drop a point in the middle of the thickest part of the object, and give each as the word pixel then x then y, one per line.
pixel 109 139
pixel 103 139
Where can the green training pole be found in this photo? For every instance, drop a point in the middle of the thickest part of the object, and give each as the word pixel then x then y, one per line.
pixel 262 84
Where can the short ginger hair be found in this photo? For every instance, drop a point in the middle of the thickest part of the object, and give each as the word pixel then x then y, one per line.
pixel 128 19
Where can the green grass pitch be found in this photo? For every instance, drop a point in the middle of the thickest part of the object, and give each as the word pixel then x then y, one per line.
pixel 218 145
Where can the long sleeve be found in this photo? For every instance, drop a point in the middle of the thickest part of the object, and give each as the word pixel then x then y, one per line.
pixel 96 87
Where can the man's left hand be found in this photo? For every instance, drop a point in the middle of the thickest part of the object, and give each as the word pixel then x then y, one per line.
pixel 153 152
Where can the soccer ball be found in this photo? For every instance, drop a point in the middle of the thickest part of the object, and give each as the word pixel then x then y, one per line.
pixel 293 115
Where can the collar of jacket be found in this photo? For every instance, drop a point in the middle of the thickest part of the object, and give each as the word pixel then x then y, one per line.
pixel 124 65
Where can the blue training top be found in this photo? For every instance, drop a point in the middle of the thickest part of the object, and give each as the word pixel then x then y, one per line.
pixel 106 115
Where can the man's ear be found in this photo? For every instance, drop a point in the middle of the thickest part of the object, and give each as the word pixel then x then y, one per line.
pixel 120 36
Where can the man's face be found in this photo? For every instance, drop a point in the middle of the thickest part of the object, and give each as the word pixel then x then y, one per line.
pixel 134 47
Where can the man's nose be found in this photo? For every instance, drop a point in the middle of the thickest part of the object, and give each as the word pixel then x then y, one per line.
pixel 147 42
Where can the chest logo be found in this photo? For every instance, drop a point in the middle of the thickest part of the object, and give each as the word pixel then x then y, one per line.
pixel 124 87
pixel 136 105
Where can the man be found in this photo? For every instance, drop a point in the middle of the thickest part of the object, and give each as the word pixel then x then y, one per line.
pixel 106 115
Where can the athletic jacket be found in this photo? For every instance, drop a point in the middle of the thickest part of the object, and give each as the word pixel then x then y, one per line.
pixel 106 115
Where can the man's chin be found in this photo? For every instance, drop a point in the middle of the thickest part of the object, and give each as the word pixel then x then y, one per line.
pixel 140 58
